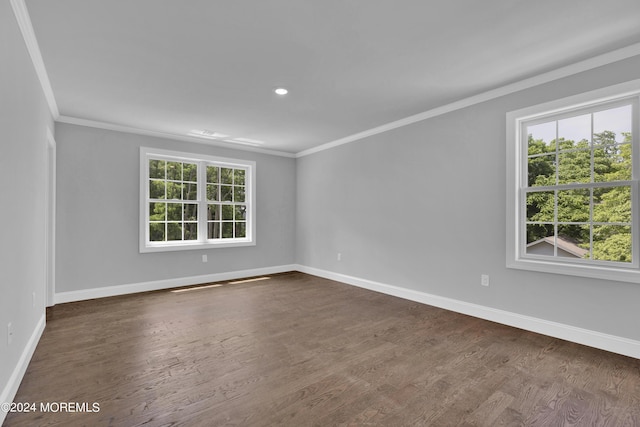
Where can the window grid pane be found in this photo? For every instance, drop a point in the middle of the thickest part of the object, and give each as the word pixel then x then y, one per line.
pixel 581 219
pixel 227 217
pixel 196 201
pixel 172 185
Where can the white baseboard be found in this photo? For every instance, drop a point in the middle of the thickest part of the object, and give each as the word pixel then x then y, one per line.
pixel 612 343
pixel 11 388
pixel 109 291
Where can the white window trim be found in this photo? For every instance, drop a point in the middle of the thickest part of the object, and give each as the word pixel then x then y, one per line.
pixel 146 246
pixel 514 258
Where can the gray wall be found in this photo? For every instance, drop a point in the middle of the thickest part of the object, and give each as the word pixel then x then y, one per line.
pixel 98 203
pixel 24 119
pixel 423 207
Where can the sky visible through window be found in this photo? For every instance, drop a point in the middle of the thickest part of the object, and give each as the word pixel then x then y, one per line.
pixel 577 128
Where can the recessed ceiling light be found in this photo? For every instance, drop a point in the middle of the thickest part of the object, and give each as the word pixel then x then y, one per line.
pixel 281 91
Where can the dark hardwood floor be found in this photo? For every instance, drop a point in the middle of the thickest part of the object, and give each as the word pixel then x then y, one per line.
pixel 297 350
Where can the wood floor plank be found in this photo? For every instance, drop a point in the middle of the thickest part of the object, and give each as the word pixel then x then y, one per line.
pixel 297 350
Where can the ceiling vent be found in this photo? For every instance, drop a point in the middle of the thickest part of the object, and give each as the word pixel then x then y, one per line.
pixel 246 141
pixel 209 134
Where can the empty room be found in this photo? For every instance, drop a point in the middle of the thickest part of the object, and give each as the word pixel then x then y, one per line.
pixel 319 213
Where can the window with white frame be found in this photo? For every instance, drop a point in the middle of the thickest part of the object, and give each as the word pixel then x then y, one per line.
pixel 572 185
pixel 193 201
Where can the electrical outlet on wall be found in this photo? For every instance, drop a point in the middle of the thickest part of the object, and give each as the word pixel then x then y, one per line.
pixel 33 299
pixel 339 257
pixel 484 279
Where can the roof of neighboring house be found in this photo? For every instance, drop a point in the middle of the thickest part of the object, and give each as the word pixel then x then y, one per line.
pixel 564 244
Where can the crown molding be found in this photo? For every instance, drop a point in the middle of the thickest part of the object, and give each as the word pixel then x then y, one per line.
pixel 26 28
pixel 145 132
pixel 578 67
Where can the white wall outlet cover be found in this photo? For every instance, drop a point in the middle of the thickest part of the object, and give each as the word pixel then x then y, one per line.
pixel 484 280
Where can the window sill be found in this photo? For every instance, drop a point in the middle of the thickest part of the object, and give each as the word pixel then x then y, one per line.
pixel 595 272
pixel 195 246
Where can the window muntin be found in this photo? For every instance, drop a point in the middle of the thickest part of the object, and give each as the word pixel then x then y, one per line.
pixel 577 187
pixel 190 202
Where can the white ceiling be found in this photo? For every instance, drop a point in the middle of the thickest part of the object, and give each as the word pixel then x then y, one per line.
pixel 173 66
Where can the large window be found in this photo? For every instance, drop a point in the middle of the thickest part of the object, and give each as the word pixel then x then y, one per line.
pixel 193 201
pixel 572 192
